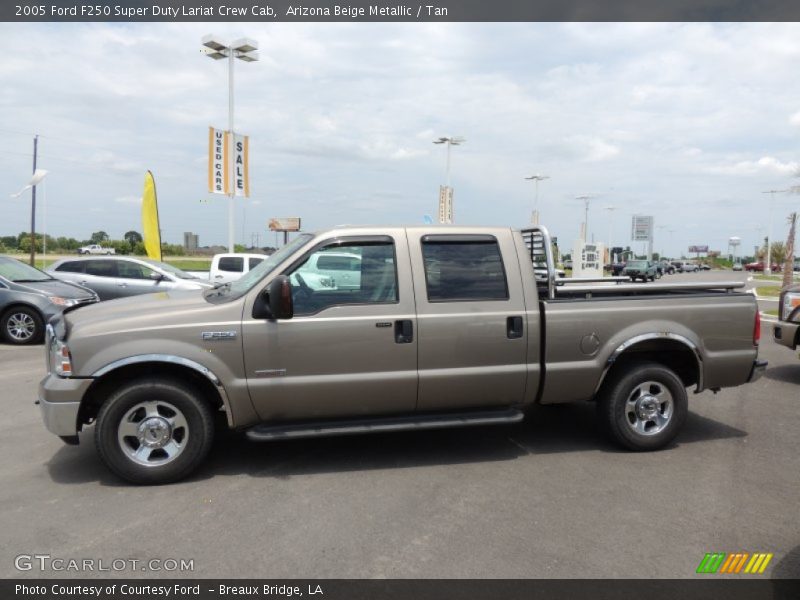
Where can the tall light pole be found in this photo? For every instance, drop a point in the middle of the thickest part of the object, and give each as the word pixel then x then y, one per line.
pixel 585 199
pixel 610 210
pixel 768 266
pixel 245 50
pixel 446 195
pixel 536 179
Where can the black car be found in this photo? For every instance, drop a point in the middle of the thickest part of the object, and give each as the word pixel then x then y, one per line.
pixel 29 297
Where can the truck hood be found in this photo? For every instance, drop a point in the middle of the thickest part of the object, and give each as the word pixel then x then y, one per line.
pixel 143 312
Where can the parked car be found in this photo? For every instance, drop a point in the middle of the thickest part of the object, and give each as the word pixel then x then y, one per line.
pixel 678 265
pixel 228 267
pixel 665 268
pixel 758 267
pixel 640 269
pixel 96 249
pixel 30 297
pixel 737 266
pixel 120 276
pixel 786 331
pixel 704 267
pixel 447 328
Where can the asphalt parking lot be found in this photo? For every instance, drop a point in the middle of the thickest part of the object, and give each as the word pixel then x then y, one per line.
pixel 548 498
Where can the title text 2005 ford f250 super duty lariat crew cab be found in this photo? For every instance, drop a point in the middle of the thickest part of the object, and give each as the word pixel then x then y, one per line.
pixel 447 327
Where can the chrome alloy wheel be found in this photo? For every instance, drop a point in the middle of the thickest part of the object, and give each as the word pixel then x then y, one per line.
pixel 649 408
pixel 153 433
pixel 21 327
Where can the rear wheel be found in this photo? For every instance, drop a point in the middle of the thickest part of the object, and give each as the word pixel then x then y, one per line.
pixel 644 407
pixel 154 432
pixel 22 325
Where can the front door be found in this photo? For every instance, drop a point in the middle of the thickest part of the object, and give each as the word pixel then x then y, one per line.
pixel 349 350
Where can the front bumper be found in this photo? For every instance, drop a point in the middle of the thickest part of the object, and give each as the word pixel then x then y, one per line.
pixel 785 333
pixel 59 401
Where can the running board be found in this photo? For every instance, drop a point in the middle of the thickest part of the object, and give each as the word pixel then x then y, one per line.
pixel 266 433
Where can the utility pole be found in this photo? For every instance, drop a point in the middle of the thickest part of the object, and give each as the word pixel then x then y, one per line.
pixel 33 204
pixel 536 179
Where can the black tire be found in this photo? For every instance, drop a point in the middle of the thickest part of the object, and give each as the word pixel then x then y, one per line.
pixel 618 413
pixel 166 396
pixel 21 325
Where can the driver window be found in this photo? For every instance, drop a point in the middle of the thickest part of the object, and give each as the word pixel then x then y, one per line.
pixel 341 274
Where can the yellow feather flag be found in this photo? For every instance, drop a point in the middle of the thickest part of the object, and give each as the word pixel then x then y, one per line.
pixel 150 225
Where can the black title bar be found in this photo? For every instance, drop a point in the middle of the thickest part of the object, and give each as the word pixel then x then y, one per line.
pixel 399 11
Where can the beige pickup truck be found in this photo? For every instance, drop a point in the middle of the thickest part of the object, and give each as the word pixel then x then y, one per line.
pixel 447 327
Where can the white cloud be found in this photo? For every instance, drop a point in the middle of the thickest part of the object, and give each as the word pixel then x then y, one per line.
pixel 128 200
pixel 795 119
pixel 766 164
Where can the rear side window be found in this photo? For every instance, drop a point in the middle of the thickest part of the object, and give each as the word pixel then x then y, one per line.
pixel 101 268
pixel 461 270
pixel 73 266
pixel 231 264
pixel 132 270
pixel 254 261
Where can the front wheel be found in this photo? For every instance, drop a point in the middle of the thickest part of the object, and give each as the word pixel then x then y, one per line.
pixel 154 432
pixel 22 325
pixel 644 407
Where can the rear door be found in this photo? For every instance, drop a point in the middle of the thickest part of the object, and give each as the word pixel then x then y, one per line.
pixel 472 324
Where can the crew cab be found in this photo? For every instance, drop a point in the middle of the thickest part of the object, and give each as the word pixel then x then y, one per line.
pixel 447 327
pixel 96 249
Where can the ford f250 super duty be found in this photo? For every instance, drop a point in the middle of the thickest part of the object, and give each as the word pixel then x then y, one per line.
pixel 446 327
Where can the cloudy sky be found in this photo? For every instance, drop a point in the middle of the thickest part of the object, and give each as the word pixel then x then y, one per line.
pixel 689 123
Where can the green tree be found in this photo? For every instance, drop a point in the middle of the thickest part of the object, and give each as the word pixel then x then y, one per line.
pixel 98 237
pixel 133 237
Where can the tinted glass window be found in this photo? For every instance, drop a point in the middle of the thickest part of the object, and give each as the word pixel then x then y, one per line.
pixel 131 270
pixel 464 271
pixel 75 266
pixel 255 261
pixel 338 263
pixel 101 268
pixel 232 264
pixel 371 280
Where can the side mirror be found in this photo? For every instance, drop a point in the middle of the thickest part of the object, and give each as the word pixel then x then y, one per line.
pixel 275 302
pixel 155 276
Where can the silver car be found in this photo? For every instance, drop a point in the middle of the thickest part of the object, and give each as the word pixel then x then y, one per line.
pixel 118 277
pixel 30 297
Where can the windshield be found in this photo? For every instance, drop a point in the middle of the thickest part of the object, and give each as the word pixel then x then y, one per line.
pixel 169 269
pixel 244 284
pixel 637 264
pixel 19 272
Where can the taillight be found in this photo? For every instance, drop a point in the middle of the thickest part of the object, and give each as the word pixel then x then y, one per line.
pixel 757 328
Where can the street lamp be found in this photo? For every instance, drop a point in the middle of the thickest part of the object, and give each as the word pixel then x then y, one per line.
pixel 36 179
pixel 245 50
pixel 610 210
pixel 446 198
pixel 768 266
pixel 585 199
pixel 536 179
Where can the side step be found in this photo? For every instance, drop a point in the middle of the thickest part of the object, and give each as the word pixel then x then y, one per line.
pixel 266 432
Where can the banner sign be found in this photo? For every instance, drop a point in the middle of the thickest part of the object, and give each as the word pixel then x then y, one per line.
pixel 642 228
pixel 220 178
pixel 285 224
pixel 445 204
pixel 241 175
pixel 698 249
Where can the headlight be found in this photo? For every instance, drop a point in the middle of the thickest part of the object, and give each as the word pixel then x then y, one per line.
pixel 60 359
pixel 58 300
pixel 791 300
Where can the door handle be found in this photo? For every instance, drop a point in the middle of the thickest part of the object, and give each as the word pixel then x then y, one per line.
pixel 403 331
pixel 514 328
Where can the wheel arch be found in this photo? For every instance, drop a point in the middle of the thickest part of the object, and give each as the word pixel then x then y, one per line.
pixel 131 368
pixel 674 351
